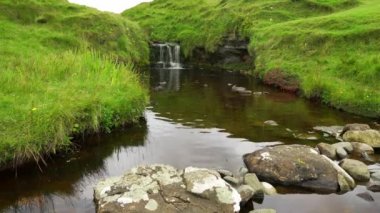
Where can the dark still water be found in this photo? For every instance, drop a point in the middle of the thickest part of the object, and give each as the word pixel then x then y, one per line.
pixel 194 119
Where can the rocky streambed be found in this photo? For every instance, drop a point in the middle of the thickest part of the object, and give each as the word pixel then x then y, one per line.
pixel 326 168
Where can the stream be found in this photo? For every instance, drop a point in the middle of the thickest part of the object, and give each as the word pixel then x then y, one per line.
pixel 194 119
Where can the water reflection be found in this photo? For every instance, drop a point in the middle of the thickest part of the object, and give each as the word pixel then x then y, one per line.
pixel 195 119
pixel 169 79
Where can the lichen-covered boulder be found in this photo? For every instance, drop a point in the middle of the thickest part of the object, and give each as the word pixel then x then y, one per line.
pixel 293 165
pixel 209 184
pixel 162 188
pixel 370 137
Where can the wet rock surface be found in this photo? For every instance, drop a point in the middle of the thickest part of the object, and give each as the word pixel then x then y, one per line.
pixel 162 188
pixel 293 165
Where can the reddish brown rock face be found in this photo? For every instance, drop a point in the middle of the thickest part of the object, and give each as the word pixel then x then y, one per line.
pixel 293 165
pixel 278 79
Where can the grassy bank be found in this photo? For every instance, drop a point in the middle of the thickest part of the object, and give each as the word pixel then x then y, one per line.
pixel 332 46
pixel 65 70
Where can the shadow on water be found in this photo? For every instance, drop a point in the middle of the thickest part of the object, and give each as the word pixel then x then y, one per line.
pixel 194 119
pixel 57 187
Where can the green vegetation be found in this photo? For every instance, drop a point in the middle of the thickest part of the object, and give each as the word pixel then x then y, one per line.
pixel 65 70
pixel 331 46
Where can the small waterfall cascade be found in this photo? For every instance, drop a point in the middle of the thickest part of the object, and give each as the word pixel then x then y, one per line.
pixel 167 55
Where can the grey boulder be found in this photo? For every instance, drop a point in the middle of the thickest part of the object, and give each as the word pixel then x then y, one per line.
pixel 162 188
pixel 293 165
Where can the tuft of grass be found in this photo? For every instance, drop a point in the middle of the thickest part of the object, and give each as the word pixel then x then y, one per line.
pixel 47 99
pixel 331 46
pixel 64 70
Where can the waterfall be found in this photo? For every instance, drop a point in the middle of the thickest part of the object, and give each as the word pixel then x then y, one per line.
pixel 169 55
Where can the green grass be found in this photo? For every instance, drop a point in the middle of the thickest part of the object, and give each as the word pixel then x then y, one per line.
pixel 331 46
pixel 64 70
pixel 58 25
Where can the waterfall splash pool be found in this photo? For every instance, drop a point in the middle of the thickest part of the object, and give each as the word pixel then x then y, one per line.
pixel 194 120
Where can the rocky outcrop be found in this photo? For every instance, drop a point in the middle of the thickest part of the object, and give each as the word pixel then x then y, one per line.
pixel 293 165
pixel 231 51
pixel 161 188
pixel 370 137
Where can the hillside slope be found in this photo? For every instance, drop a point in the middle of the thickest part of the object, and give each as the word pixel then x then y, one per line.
pixel 332 47
pixel 61 75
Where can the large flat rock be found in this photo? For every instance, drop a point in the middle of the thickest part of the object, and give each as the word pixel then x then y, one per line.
pixel 293 165
pixel 162 188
